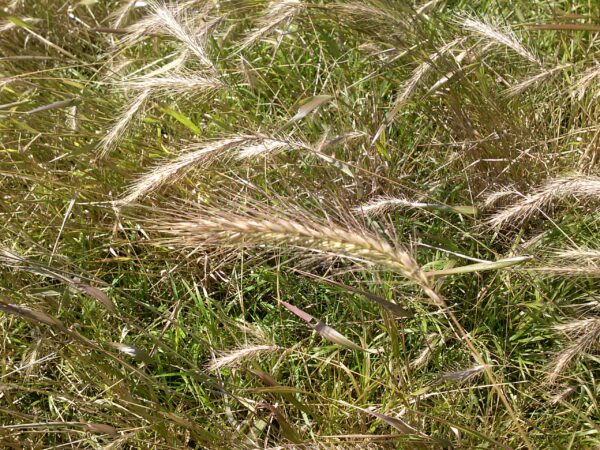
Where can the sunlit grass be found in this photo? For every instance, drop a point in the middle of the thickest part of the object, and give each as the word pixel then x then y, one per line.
pixel 252 224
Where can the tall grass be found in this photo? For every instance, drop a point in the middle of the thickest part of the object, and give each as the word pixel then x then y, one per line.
pixel 252 224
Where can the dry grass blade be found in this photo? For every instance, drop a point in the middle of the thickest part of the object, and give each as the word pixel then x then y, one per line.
pixel 495 33
pixel 96 293
pixel 583 335
pixel 309 106
pixel 101 428
pixel 16 261
pixel 236 357
pixel 323 329
pixel 278 13
pixel 581 188
pixel 115 133
pixel 566 27
pixel 10 24
pixel 481 267
pixel 395 422
pixel 242 146
pixel 131 350
pixel 55 105
pixel 384 205
pixel 394 308
pixel 29 314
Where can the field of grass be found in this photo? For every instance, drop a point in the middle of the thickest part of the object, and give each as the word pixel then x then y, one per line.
pixel 300 224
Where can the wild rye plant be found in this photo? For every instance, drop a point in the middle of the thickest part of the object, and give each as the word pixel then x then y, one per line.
pixel 249 224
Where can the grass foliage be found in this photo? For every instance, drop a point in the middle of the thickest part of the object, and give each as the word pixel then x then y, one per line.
pixel 299 223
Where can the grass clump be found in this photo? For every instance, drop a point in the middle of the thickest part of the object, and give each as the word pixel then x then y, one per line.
pixel 251 224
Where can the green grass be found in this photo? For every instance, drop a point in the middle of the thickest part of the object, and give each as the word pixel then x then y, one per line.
pixel 246 299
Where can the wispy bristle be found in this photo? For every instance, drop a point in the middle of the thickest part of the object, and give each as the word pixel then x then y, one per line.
pixel 582 335
pixel 176 84
pixel 121 12
pixel 579 254
pixel 117 130
pixel 495 33
pixel 197 229
pixel 518 88
pixel 278 13
pixel 179 26
pixel 582 188
pixel 373 18
pixel 590 78
pixel 172 20
pixel 411 85
pixel 583 262
pixel 242 147
pixel 493 198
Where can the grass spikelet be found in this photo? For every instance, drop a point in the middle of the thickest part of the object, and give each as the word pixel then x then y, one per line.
pixel 495 33
pixel 501 196
pixel 579 255
pixel 236 357
pixel 582 262
pixel 117 130
pixel 411 85
pixel 243 147
pixel 461 376
pixel 431 341
pixel 583 335
pixel 150 25
pixel 522 86
pixel 385 24
pixel 120 14
pixel 278 13
pixel 177 24
pixel 580 188
pixel 172 20
pixel 172 170
pixel 561 395
pixel 588 79
pixel 280 245
pixel 200 228
pixel 176 84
